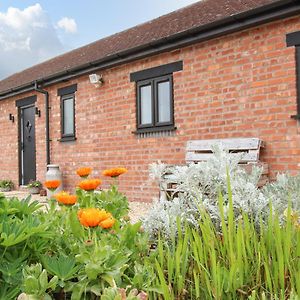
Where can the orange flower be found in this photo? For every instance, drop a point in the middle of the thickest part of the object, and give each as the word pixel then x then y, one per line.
pixel 65 198
pixel 104 215
pixel 84 172
pixel 115 172
pixel 52 184
pixel 89 184
pixel 91 217
pixel 108 223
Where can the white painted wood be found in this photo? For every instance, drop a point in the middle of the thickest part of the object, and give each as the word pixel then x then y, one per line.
pixel 202 150
pixel 245 156
pixel 229 144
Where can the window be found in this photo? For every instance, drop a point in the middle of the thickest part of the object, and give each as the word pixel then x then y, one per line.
pixel 293 40
pixel 67 104
pixel 68 124
pixel 155 103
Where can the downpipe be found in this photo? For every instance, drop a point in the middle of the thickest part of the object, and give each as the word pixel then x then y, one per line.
pixel 37 89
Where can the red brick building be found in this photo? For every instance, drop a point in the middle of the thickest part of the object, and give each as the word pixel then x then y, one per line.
pixel 215 69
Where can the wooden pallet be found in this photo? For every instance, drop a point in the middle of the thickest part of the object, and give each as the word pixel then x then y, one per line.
pixel 202 150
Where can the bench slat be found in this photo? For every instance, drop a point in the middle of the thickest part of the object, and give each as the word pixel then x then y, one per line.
pixel 246 156
pixel 228 144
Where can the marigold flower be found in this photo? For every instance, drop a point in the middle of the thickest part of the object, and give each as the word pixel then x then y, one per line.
pixel 89 184
pixel 52 184
pixel 84 172
pixel 104 215
pixel 91 217
pixel 114 172
pixel 108 223
pixel 65 198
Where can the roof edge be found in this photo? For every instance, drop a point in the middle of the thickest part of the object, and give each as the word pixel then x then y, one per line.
pixel 264 14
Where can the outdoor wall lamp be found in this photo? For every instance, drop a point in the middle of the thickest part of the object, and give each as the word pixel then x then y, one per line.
pixel 96 80
pixel 38 112
pixel 11 118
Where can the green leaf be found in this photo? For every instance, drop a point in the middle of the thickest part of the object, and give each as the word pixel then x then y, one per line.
pixel 43 280
pixel 64 267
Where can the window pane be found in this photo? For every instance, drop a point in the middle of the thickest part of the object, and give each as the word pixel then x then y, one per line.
pixel 146 104
pixel 164 102
pixel 68 116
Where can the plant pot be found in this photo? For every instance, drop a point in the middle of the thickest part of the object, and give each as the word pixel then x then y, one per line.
pixel 34 190
pixel 5 189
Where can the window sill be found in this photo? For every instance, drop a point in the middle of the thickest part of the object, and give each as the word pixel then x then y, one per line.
pixel 296 117
pixel 67 139
pixel 155 129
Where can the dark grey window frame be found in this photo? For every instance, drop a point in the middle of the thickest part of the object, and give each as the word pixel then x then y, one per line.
pixel 155 125
pixel 66 93
pixel 153 77
pixel 293 39
pixel 72 136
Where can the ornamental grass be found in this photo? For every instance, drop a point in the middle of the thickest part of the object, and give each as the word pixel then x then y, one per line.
pixel 236 261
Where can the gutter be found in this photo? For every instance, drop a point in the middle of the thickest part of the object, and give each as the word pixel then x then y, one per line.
pixel 47 119
pixel 268 13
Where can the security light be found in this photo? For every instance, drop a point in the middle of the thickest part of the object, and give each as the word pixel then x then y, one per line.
pixel 96 79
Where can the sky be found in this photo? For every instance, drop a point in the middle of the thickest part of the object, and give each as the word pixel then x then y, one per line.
pixel 34 31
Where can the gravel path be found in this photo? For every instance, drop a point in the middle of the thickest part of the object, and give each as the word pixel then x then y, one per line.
pixel 137 209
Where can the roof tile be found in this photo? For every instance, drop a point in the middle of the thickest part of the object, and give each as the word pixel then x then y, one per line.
pixel 201 13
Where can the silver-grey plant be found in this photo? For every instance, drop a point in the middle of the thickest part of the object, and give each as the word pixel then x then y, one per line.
pixel 198 187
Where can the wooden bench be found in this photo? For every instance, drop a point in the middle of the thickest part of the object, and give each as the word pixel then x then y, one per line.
pixel 202 150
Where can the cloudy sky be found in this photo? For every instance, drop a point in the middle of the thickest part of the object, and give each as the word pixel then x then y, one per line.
pixel 34 31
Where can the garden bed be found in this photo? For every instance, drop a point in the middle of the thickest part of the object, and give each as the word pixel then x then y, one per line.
pixel 232 241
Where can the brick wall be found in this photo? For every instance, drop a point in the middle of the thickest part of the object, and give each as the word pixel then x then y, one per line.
pixel 240 85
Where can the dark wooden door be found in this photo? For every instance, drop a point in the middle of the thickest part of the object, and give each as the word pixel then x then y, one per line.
pixel 28 159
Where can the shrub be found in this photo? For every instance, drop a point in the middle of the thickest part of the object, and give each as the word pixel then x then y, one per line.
pixel 198 185
pixel 78 248
pixel 6 185
pixel 34 184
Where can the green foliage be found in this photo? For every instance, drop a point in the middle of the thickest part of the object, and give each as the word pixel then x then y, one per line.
pixel 36 283
pixel 120 294
pixel 78 262
pixel 6 184
pixel 63 267
pixel 237 263
pixel 51 255
pixel 21 235
pixel 113 201
pixel 34 184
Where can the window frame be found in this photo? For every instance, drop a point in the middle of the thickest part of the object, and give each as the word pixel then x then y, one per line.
pixel 72 136
pixel 155 125
pixel 293 40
